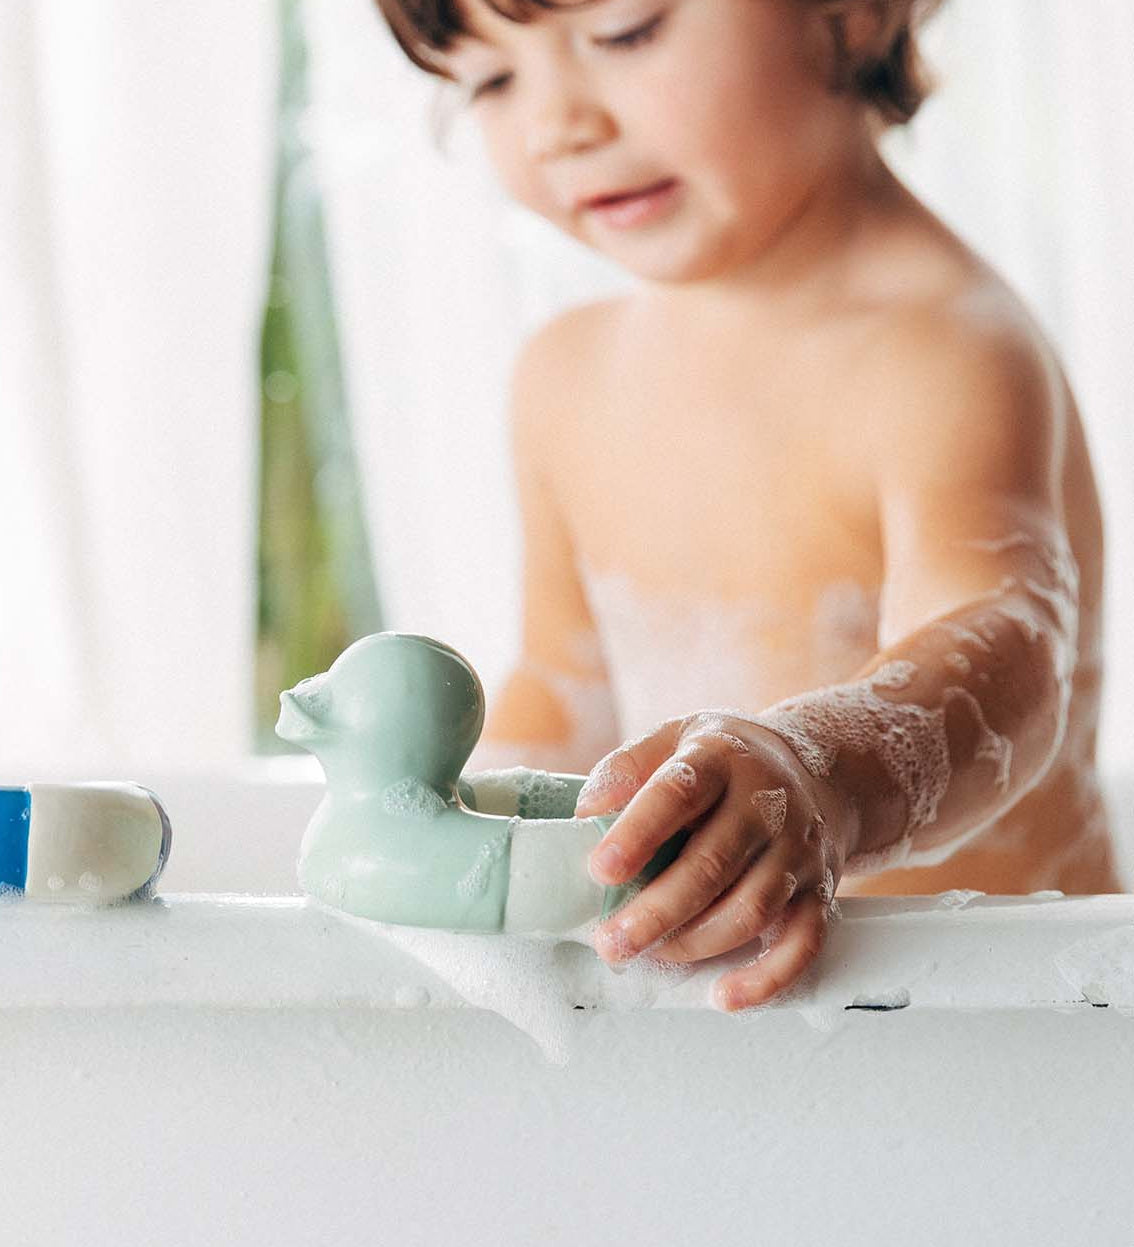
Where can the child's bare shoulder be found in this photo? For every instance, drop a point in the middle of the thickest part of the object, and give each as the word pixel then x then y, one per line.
pixel 964 377
pixel 554 369
pixel 569 343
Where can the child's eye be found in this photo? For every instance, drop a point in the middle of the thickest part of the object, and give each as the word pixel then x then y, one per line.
pixel 627 39
pixel 632 38
pixel 493 86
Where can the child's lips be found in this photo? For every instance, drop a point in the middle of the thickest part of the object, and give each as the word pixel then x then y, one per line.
pixel 630 208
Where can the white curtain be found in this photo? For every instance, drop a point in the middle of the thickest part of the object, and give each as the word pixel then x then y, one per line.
pixel 135 186
pixel 136 151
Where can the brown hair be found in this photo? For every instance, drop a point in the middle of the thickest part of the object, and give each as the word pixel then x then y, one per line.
pixel 889 75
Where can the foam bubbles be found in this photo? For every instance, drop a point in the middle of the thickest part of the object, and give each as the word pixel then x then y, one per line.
pixel 1052 584
pixel 963 635
pixel 826 890
pixel 669 651
pixel 957 662
pixel 535 983
pixel 894 675
pixel 895 998
pixel 768 939
pixel 908 739
pixel 608 775
pixel 771 804
pixel 520 790
pixel 818 1009
pixel 1024 622
pixel 475 882
pixel 544 796
pixel 844 626
pixel 677 772
pixel 991 746
pixel 412 798
pixel 957 898
pixel 999 545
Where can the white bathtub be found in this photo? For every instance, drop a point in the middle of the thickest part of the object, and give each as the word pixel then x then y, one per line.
pixel 238 1069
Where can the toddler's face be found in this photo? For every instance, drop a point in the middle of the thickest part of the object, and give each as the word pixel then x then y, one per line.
pixel 722 105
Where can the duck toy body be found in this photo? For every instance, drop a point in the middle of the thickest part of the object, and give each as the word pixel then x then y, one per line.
pixel 400 836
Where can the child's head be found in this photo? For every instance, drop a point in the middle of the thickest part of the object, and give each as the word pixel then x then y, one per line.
pixel 741 106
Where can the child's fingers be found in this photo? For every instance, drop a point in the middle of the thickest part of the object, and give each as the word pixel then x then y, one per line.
pixel 778 967
pixel 674 795
pixel 741 913
pixel 615 778
pixel 712 858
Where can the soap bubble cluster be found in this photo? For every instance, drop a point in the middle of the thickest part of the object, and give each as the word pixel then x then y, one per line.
pixel 957 898
pixel 991 747
pixel 957 662
pixel 907 738
pixel 607 775
pixel 412 798
pixel 475 883
pixel 677 772
pixel 894 675
pixel 523 791
pixel 541 795
pixel 771 804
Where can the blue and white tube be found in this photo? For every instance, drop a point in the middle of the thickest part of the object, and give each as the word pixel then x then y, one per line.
pixel 88 843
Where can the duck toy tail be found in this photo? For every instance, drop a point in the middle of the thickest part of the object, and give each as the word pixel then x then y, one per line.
pixel 401 836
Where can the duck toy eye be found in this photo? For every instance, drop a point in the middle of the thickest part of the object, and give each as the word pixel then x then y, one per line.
pixel 402 836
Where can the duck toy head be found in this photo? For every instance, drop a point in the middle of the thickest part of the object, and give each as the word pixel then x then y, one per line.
pixel 393 706
pixel 400 836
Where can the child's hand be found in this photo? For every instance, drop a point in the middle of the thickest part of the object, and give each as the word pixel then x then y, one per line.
pixel 767 847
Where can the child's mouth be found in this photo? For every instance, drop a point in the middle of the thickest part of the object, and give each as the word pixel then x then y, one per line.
pixel 638 208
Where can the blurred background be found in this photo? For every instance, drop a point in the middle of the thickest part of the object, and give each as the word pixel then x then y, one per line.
pixel 257 321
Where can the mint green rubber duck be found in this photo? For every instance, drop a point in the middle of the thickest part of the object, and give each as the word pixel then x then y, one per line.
pixel 400 836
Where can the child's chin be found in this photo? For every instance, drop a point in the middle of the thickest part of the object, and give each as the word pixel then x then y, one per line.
pixel 663 263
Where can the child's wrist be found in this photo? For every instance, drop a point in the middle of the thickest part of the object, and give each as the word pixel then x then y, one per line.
pixel 839 795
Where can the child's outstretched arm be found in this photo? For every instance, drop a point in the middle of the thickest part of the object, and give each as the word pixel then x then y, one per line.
pixel 952 722
pixel 555 710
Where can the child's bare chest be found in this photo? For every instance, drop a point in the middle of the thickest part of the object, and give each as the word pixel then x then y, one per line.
pixel 732 473
pixel 723 519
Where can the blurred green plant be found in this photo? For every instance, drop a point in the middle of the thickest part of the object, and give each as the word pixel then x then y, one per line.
pixel 316 582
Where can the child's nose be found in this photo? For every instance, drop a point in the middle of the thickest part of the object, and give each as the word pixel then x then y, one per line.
pixel 566 118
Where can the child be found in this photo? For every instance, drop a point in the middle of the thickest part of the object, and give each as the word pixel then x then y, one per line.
pixel 820 467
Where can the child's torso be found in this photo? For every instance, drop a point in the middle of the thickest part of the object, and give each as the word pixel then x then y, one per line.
pixel 720 501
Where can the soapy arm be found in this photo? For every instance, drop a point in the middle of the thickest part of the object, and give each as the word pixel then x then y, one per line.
pixel 950 725
pixel 966 705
